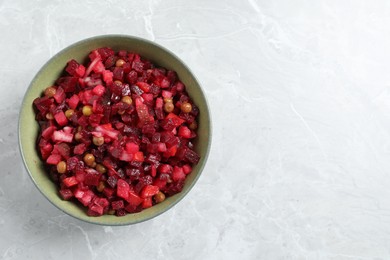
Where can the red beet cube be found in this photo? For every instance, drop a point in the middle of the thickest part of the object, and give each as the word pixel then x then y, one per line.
pixel 184 132
pixel 107 76
pixel 62 149
pixel 48 132
pixel 61 118
pixel 144 86
pixel 70 181
pixel 53 159
pixel 75 69
pixel 139 157
pixel 73 101
pixel 126 156
pixel 132 147
pixel 99 90
pixel 187 169
pixel 118 204
pixel 68 84
pixel 59 96
pixel 92 177
pixel 147 203
pixel 149 191
pixel 178 174
pixel 66 194
pixel 122 189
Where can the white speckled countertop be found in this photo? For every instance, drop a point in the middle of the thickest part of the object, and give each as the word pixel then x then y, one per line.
pixel 300 97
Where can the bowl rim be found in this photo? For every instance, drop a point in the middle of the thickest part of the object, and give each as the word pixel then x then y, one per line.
pixel 181 195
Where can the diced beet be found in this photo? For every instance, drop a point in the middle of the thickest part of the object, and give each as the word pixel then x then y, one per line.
pixel 99 90
pixel 138 66
pixel 144 86
pixel 173 188
pixel 53 159
pixel 59 96
pixel 171 151
pixel 135 89
pixel 95 210
pixel 112 181
pixel 134 199
pixel 110 61
pixel 187 169
pixel 70 181
pixel 126 156
pixel 165 168
pixel 179 86
pixel 165 83
pixel 153 159
pixel 153 171
pixel 62 149
pixel 118 204
pixel 105 52
pixel 176 120
pixel 79 149
pixel 43 104
pixel 133 173
pixel 94 119
pixel 143 114
pixel 131 77
pixel 154 90
pixel 48 132
pixel 149 191
pixel 61 118
pixel 147 203
pixel 148 129
pixel 171 75
pixel 92 177
pixel 118 73
pixel 73 101
pixel 66 194
pixel 161 147
pixel 148 99
pixel 178 174
pixel 166 94
pixel 45 148
pixel 108 192
pixel 191 156
pixel 71 163
pixel 85 197
pixel 167 124
pixel 120 212
pixel 99 67
pixel 107 76
pixel 132 147
pixel 184 132
pixel 122 189
pixel 159 183
pixel 75 69
pixel 68 84
pixel 126 67
pixel 138 157
pixel 152 148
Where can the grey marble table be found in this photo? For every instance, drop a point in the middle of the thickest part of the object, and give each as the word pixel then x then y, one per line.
pixel 300 99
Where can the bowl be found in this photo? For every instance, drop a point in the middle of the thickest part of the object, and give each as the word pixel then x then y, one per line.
pixel 28 127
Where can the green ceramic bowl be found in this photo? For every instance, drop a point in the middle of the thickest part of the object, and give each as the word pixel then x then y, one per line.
pixel 28 127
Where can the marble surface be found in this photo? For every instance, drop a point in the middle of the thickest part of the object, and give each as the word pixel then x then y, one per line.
pixel 300 97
